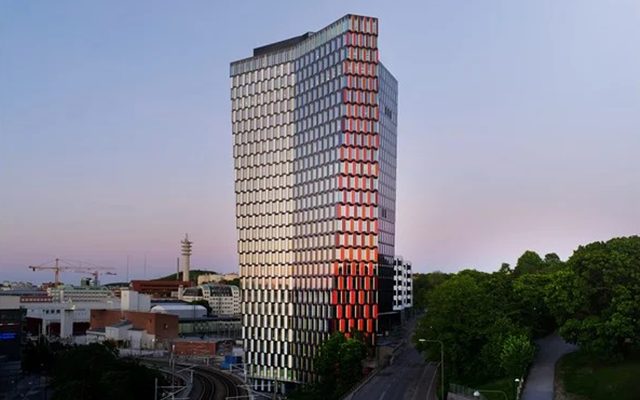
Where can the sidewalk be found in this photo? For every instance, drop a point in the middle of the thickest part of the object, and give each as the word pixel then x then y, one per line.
pixel 540 382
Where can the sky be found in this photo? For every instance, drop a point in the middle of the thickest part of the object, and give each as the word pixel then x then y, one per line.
pixel 519 127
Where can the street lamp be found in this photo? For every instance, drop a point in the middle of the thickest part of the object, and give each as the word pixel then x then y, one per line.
pixel 477 393
pixel 517 381
pixel 421 340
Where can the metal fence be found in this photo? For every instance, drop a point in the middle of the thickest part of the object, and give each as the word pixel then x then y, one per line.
pixel 465 391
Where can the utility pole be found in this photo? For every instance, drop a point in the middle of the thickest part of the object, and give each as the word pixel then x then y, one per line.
pixel 57 272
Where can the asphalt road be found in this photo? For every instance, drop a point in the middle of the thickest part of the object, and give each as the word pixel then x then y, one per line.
pixel 409 377
pixel 539 384
pixel 32 387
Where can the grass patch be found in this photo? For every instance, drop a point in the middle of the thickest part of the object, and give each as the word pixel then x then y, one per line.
pixel 597 380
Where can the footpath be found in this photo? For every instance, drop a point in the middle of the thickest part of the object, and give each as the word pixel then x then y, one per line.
pixel 540 382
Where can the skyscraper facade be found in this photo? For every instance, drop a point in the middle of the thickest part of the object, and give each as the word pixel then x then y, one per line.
pixel 314 125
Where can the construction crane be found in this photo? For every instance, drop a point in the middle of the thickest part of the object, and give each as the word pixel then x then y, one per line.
pixel 59 265
pixel 96 275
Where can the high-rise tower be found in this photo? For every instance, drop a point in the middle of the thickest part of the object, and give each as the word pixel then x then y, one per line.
pixel 314 128
pixel 186 257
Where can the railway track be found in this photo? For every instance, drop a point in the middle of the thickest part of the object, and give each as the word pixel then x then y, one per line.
pixel 208 383
pixel 204 387
pixel 221 385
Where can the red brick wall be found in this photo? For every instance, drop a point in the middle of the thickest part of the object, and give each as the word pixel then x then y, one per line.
pixel 158 288
pixel 163 326
pixel 199 348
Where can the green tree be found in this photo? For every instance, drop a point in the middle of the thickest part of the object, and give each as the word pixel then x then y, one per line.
pixel 338 364
pixel 91 372
pixel 352 353
pixel 327 360
pixel 423 284
pixel 552 258
pixel 40 356
pixel 516 355
pixel 596 297
pixel 472 313
pixel 530 296
pixel 528 263
pixel 459 313
pixel 505 268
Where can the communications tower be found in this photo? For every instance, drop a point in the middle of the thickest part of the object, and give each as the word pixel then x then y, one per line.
pixel 186 257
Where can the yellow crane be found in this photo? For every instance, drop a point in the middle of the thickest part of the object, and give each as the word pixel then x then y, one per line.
pixel 59 265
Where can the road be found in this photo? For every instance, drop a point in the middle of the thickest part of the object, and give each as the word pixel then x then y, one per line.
pixel 409 377
pixel 32 387
pixel 539 384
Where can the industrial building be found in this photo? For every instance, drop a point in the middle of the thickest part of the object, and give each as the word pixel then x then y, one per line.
pixel 49 316
pixel 12 323
pixel 160 289
pixel 83 293
pixel 193 320
pixel 133 329
pixel 181 310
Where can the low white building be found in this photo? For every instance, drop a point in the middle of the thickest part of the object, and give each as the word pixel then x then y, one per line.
pixel 65 293
pixel 130 300
pixel 50 310
pixel 123 332
pixel 64 313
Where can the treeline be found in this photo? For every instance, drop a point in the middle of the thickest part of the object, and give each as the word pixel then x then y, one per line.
pixel 90 372
pixel 487 321
pixel 338 366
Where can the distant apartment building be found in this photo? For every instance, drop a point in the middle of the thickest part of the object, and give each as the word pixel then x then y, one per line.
pixel 403 285
pixel 314 122
pixel 217 278
pixel 223 299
